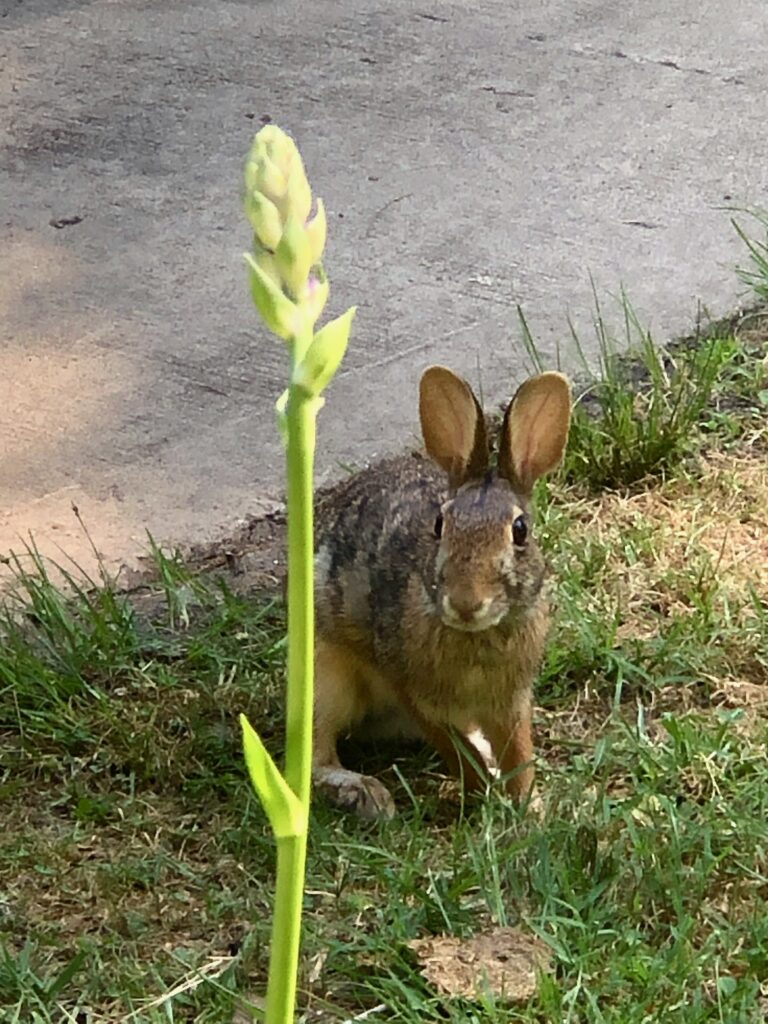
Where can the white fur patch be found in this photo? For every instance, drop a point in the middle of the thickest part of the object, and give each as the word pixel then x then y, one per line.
pixel 483 747
pixel 322 565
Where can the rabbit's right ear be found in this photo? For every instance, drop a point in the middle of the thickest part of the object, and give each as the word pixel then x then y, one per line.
pixel 452 425
pixel 535 430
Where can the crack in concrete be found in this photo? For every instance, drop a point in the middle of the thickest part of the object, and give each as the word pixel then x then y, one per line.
pixel 512 93
pixel 406 350
pixel 647 224
pixel 661 62
pixel 382 210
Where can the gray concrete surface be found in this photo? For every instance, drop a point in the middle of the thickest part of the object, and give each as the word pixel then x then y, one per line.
pixel 472 155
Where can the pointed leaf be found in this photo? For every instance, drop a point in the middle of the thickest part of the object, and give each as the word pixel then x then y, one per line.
pixel 324 355
pixel 287 815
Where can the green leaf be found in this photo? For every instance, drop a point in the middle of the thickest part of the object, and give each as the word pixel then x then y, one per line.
pixel 324 355
pixel 277 311
pixel 726 986
pixel 287 816
pixel 61 981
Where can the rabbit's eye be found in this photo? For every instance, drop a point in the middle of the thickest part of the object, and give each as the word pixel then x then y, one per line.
pixel 519 531
pixel 439 526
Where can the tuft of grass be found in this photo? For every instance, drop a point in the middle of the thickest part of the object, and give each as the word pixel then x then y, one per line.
pixel 638 415
pixel 624 434
pixel 130 837
pixel 642 412
pixel 81 673
pixel 756 275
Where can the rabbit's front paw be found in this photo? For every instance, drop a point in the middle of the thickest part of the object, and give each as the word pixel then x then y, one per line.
pixel 535 807
pixel 364 795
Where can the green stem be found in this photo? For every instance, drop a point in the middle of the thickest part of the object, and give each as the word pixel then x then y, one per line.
pixel 286 930
pixel 291 852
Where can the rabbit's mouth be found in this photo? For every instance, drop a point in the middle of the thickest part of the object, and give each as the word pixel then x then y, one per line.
pixel 476 619
pixel 472 627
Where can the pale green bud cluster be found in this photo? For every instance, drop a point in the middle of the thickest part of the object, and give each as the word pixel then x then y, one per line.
pixel 288 283
pixel 287 278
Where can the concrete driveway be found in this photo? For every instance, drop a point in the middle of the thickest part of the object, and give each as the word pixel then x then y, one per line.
pixel 472 155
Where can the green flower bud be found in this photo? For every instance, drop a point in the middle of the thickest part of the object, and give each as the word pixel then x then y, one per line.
pixel 298 195
pixel 266 262
pixel 315 230
pixel 266 177
pixel 275 168
pixel 293 256
pixel 277 311
pixel 265 219
pixel 287 280
pixel 314 296
pixel 273 142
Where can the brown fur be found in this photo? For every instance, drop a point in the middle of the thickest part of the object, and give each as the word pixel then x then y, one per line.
pixel 445 634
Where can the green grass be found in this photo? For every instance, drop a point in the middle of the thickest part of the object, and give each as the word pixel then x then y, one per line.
pixel 130 860
pixel 756 274
pixel 136 866
pixel 134 855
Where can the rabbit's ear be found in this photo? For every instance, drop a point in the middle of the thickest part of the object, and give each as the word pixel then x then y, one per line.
pixel 452 425
pixel 535 430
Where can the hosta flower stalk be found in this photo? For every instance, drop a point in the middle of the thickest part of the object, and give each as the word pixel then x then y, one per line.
pixel 290 289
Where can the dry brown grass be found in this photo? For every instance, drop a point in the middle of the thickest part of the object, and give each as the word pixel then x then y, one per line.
pixel 688 540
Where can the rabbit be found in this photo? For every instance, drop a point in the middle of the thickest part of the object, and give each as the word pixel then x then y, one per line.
pixel 432 612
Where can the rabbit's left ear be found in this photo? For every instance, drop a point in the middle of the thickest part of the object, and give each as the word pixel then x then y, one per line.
pixel 535 430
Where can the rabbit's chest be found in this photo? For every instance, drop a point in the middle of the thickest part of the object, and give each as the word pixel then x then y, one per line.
pixel 456 687
pixel 456 677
